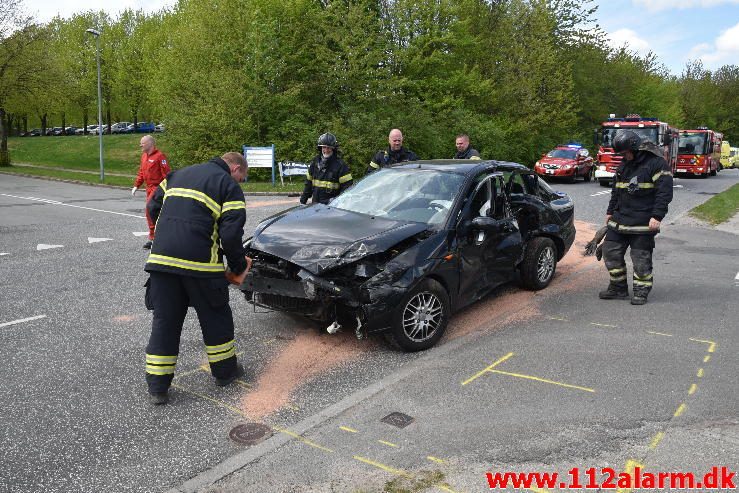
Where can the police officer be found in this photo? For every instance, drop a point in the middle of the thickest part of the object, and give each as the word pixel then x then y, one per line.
pixel 464 149
pixel 642 190
pixel 328 175
pixel 395 153
pixel 200 214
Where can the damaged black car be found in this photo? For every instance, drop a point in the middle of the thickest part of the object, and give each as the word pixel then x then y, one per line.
pixel 408 245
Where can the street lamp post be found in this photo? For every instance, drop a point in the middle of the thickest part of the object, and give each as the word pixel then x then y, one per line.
pixel 100 103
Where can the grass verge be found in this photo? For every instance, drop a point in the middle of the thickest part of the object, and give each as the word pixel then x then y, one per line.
pixel 719 208
pixel 123 181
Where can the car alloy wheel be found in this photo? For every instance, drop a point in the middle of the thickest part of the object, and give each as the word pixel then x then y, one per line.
pixel 422 316
pixel 420 319
pixel 539 263
pixel 545 264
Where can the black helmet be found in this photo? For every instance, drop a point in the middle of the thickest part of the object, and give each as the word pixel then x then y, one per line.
pixel 328 139
pixel 626 141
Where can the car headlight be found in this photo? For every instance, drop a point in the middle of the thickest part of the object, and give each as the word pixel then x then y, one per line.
pixel 567 166
pixel 602 168
pixel 537 164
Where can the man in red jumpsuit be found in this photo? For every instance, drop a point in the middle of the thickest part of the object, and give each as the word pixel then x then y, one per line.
pixel 152 171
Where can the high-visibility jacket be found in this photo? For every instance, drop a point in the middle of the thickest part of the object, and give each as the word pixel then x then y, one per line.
pixel 200 213
pixel 642 189
pixel 324 182
pixel 152 170
pixel 388 157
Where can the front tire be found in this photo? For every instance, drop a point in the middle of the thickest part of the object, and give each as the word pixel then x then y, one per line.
pixel 589 175
pixel 539 264
pixel 421 319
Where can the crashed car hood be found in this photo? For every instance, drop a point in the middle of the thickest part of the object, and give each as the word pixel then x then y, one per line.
pixel 320 238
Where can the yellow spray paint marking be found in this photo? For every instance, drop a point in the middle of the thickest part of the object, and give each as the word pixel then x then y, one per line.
pixel 243 384
pixel 537 490
pixel 350 430
pixel 301 438
pixel 444 487
pixel 711 345
pixel 659 333
pixel 700 372
pixel 543 380
pixel 392 470
pixel 604 325
pixel 706 358
pixel 680 410
pixel 489 368
pixel 557 318
pixel 435 459
pixel 655 441
pixel 389 444
pixel 630 466
pixel 692 390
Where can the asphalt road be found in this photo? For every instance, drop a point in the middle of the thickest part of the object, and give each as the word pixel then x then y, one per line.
pixel 588 383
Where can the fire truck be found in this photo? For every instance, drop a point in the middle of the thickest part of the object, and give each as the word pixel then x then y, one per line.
pixel 699 152
pixel 651 129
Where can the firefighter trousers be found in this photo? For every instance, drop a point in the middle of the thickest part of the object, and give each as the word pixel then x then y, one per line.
pixel 169 295
pixel 614 252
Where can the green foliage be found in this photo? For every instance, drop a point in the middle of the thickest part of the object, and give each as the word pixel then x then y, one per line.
pixel 719 208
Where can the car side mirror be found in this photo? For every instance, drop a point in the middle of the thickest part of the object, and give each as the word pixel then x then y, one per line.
pixel 486 224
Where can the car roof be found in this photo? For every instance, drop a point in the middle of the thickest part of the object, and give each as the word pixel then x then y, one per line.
pixel 462 166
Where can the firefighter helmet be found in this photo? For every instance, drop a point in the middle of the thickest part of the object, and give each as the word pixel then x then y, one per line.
pixel 328 140
pixel 626 141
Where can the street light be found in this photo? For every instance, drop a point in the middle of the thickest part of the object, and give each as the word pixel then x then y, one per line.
pixel 100 103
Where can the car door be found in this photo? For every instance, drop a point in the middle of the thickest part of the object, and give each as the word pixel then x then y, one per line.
pixel 487 256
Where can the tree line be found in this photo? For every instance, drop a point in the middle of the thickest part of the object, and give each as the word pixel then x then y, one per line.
pixel 518 76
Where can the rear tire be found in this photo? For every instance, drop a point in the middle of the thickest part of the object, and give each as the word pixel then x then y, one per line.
pixel 539 263
pixel 589 175
pixel 421 318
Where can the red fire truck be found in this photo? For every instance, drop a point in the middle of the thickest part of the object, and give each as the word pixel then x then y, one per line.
pixel 699 152
pixel 657 132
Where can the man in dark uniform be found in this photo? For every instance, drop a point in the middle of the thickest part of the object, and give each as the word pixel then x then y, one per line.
pixel 395 153
pixel 200 214
pixel 328 175
pixel 464 149
pixel 642 191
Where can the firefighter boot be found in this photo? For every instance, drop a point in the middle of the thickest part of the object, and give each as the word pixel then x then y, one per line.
pixel 158 398
pixel 615 291
pixel 643 277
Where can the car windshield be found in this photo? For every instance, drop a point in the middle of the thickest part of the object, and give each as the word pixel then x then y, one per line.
pixel 692 143
pixel 563 153
pixel 417 195
pixel 610 133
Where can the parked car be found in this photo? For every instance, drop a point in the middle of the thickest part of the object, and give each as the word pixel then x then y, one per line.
pixel 120 128
pixel 159 127
pixel 71 130
pixel 568 161
pixel 36 132
pixel 142 127
pixel 408 245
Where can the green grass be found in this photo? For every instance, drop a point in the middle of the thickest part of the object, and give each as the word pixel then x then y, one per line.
pixel 75 154
pixel 719 208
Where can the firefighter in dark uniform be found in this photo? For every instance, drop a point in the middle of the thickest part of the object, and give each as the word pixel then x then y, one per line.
pixel 200 214
pixel 464 149
pixel 642 190
pixel 395 153
pixel 328 175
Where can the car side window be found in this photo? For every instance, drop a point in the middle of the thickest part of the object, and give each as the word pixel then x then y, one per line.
pixel 517 184
pixel 481 202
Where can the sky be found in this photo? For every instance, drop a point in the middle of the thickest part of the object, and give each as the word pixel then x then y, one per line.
pixel 677 31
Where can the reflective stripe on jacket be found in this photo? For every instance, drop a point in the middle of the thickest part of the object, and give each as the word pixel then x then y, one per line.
pixel 388 157
pixel 200 213
pixel 322 183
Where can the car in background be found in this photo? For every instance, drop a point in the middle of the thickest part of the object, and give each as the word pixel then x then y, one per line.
pixel 35 132
pixel 120 128
pixel 734 157
pixel 408 245
pixel 142 127
pixel 70 130
pixel 159 127
pixel 568 161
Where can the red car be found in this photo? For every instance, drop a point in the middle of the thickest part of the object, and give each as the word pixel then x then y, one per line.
pixel 566 161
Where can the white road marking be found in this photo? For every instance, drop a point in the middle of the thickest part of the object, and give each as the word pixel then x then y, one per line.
pixel 737 276
pixel 98 240
pixel 600 193
pixel 140 233
pixel 44 246
pixel 677 186
pixel 5 324
pixel 56 202
pixel 1 254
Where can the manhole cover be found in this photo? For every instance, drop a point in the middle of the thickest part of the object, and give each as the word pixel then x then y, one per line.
pixel 398 420
pixel 250 433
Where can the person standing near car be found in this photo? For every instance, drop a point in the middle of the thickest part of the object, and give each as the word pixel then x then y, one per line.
pixel 395 153
pixel 642 191
pixel 328 175
pixel 464 149
pixel 153 168
pixel 200 214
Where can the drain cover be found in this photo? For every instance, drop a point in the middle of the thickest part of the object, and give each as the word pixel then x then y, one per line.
pixel 398 420
pixel 250 433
